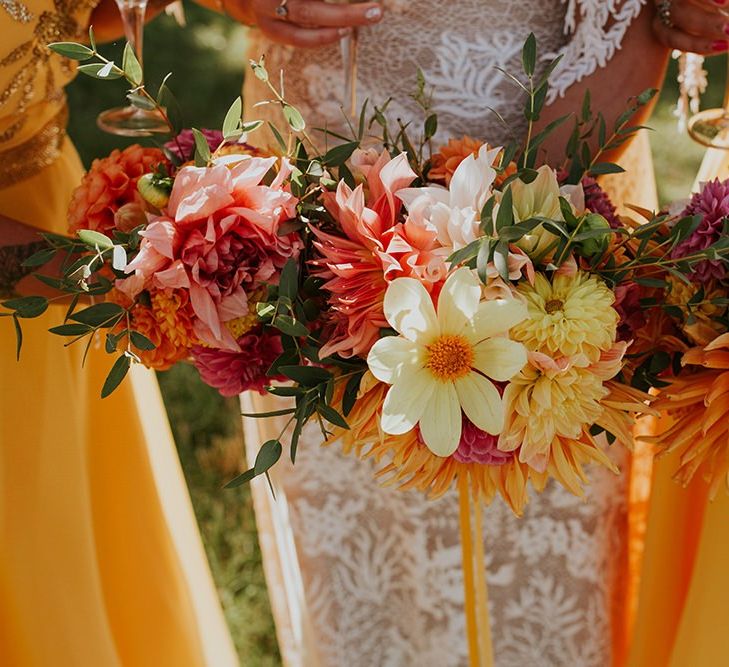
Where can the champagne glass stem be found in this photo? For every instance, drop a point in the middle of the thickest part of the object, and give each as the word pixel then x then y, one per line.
pixel 349 46
pixel 132 13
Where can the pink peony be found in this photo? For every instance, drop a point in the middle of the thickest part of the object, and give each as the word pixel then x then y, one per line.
pixel 183 145
pixel 712 203
pixel 477 446
pixel 234 372
pixel 219 239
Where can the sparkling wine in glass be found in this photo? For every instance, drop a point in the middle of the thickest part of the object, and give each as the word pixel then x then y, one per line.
pixel 711 127
pixel 348 46
pixel 131 121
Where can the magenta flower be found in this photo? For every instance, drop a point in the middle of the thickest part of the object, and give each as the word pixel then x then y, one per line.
pixel 183 145
pixel 477 446
pixel 627 303
pixel 712 203
pixel 597 201
pixel 234 372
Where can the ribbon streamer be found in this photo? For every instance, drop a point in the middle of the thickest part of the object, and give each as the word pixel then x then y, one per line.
pixel 478 626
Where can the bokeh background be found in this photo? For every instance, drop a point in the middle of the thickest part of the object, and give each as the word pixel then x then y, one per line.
pixel 208 60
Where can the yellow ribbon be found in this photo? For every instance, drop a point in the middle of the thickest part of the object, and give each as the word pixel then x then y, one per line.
pixel 478 627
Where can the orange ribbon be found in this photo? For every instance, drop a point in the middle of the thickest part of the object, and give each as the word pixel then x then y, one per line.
pixel 478 627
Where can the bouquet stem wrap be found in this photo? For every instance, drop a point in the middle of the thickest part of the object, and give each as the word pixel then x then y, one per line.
pixel 478 626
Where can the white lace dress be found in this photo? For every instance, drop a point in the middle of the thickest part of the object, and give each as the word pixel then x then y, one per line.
pixel 364 576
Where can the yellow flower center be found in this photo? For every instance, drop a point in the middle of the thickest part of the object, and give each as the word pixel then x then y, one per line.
pixel 449 358
pixel 553 306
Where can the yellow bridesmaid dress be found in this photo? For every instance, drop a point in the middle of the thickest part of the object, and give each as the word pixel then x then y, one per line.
pixel 683 612
pixel 101 563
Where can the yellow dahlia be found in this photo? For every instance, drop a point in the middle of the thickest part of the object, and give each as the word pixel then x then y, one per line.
pixel 542 404
pixel 444 362
pixel 572 315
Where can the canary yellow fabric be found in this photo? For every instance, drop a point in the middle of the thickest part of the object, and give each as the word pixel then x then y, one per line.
pixel 101 563
pixel 683 611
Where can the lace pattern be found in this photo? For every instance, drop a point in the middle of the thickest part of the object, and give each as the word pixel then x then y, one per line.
pixel 362 575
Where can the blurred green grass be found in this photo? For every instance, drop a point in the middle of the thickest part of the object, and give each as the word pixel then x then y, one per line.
pixel 208 60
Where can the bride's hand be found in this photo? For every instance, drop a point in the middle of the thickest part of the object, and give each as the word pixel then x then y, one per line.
pixel 695 26
pixel 311 23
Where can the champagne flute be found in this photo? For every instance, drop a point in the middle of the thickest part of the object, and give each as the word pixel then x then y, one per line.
pixel 711 127
pixel 130 121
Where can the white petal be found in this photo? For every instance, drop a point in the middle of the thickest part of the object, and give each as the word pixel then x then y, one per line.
pixel 497 316
pixel 389 356
pixel 409 309
pixel 481 402
pixel 499 358
pixel 458 301
pixel 405 402
pixel 440 425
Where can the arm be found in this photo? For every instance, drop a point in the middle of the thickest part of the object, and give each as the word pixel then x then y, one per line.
pixel 639 64
pixel 17 242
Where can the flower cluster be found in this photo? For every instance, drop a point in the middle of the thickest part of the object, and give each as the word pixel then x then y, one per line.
pixel 501 367
pixel 686 345
pixel 206 253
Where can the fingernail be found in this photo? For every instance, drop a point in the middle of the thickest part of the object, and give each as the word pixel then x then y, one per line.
pixel 373 14
pixel 720 45
pixel 343 32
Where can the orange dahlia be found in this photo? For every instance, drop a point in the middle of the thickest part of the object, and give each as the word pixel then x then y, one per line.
pixel 445 162
pixel 699 402
pixel 110 184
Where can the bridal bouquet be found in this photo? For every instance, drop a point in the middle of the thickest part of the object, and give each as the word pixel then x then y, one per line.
pixel 459 313
pixel 684 349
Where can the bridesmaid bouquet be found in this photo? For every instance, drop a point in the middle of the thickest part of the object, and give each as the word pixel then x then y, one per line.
pixel 684 348
pixel 461 313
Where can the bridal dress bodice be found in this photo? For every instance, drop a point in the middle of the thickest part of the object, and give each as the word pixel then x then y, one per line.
pixel 365 576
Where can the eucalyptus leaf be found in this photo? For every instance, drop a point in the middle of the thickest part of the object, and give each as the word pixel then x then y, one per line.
pixel 307 376
pixel 337 156
pixel 95 239
pixel 100 71
pixel 141 342
pixel 529 55
pixel 293 118
pixel 71 50
pixel 268 455
pixel 233 117
pixel 505 214
pixel 290 326
pixel 27 307
pixel 70 330
pixel 202 149
pixel 131 65
pixel 99 315
pixel 241 479
pixel 117 373
pixel 331 415
pixel 141 101
pixel 40 258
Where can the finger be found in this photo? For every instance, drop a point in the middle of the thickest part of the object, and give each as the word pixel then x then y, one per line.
pixel 314 13
pixel 699 22
pixel 287 33
pixel 675 38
